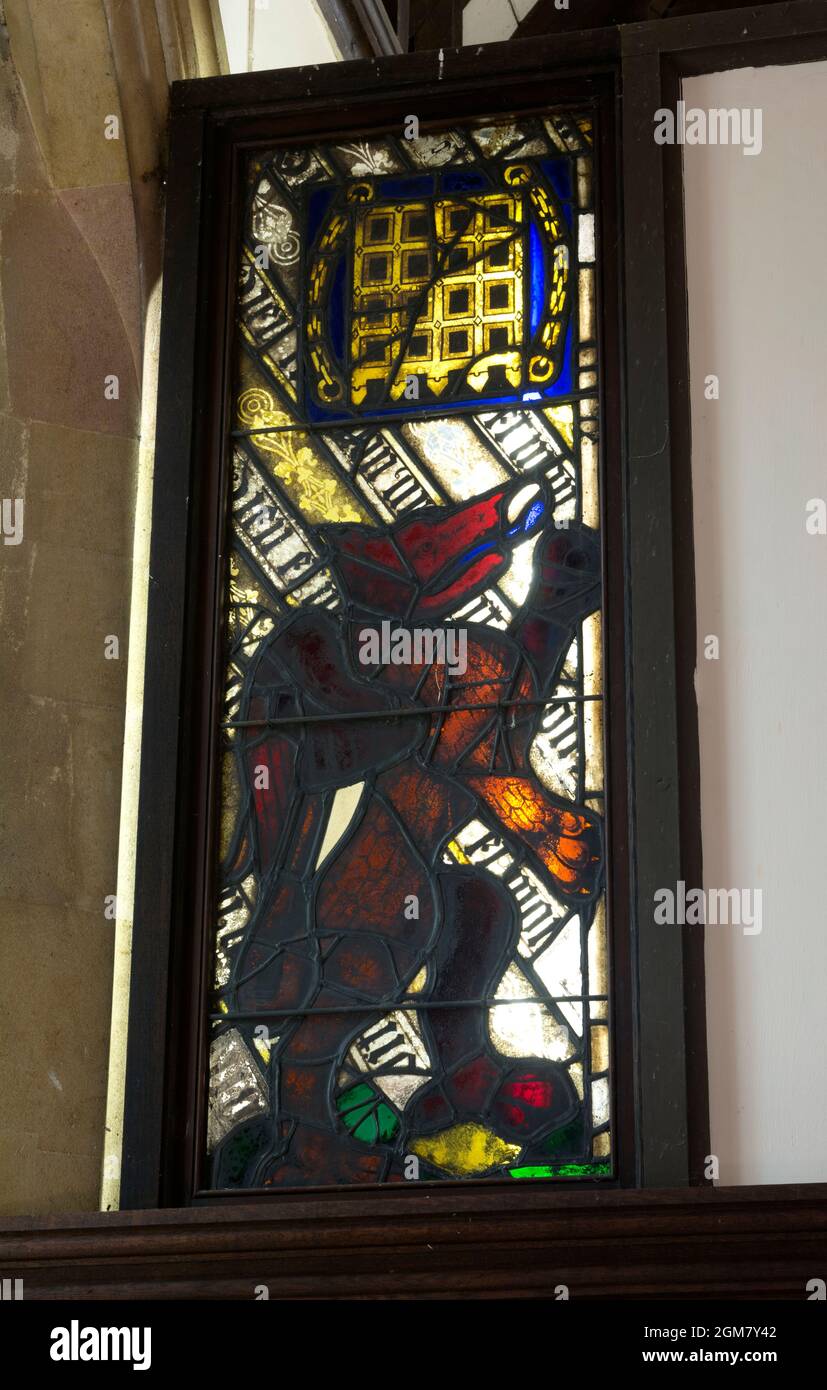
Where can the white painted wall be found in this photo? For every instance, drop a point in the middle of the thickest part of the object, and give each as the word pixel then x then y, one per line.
pixel 275 33
pixel 757 261
pixel 235 19
pixel 488 21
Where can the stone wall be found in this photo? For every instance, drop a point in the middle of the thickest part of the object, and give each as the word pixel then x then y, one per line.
pixel 80 217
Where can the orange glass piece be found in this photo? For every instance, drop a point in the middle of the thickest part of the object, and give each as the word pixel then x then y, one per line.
pixel 567 841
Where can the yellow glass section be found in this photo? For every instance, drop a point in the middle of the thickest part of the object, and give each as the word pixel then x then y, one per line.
pixel 437 288
pixel 294 459
pixel 465 1150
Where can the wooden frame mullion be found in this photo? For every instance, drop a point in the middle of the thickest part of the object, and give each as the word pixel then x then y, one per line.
pixel 655 755
pixel 155 901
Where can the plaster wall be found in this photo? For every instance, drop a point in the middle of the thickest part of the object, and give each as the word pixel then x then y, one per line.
pixel 756 233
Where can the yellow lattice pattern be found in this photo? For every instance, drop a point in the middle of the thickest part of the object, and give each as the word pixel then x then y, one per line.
pixel 464 312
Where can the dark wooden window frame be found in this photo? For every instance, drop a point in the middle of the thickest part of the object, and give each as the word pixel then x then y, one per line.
pixel 273 114
pixel 663 1077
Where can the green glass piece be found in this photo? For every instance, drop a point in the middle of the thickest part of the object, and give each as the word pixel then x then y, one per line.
pixel 369 1119
pixel 568 1140
pixel 358 1095
pixel 241 1147
pixel 387 1122
pixel 366 1131
pixel 563 1170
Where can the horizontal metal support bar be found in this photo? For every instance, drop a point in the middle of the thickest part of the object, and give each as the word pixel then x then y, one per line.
pixel 408 1006
pixel 404 713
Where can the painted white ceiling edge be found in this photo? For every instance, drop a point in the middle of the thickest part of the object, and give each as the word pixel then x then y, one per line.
pixel 488 21
pixel 264 34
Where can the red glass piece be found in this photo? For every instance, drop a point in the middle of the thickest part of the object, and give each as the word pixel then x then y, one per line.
pixel 432 543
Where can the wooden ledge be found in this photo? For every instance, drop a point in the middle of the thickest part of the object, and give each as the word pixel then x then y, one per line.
pixel 521 1242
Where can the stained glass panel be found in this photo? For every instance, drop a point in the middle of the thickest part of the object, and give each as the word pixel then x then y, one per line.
pixel 410 976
